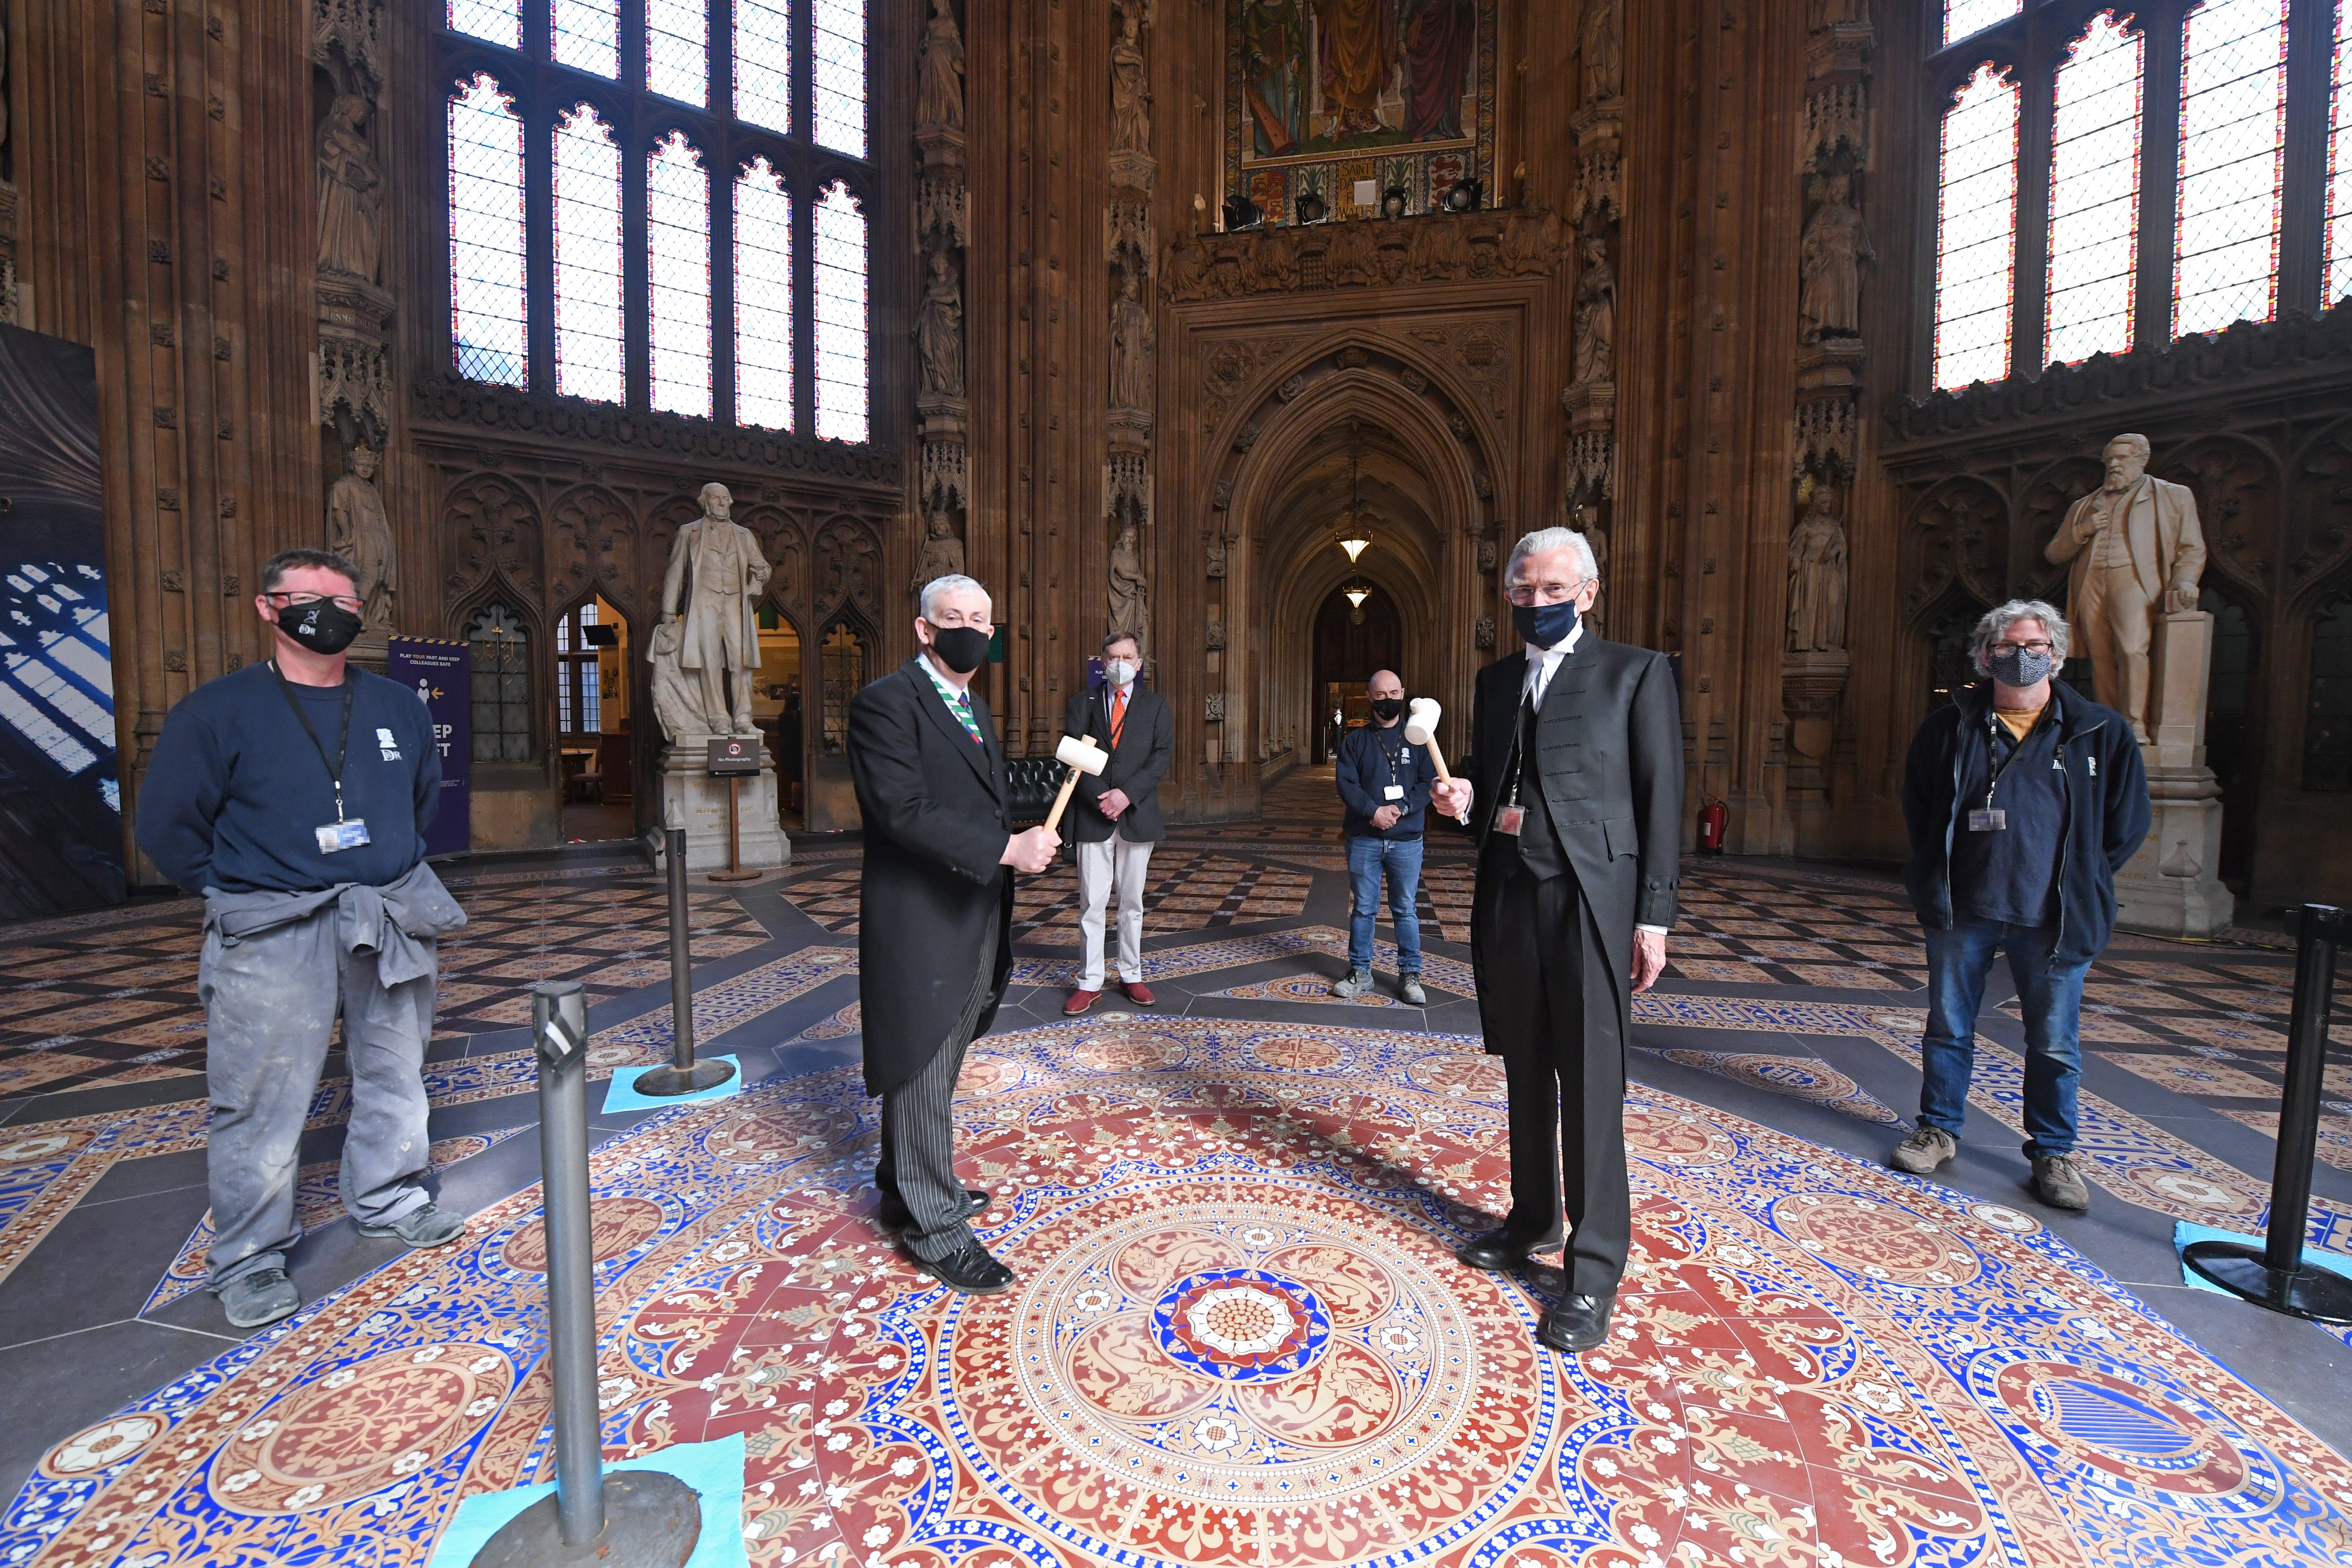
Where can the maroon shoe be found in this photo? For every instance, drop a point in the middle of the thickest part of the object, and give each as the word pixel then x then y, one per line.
pixel 1078 1002
pixel 1136 992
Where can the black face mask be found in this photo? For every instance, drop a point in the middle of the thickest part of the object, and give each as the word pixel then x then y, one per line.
pixel 1386 708
pixel 321 625
pixel 960 648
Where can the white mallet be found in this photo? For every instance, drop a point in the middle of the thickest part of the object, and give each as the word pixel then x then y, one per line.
pixel 1081 755
pixel 1421 715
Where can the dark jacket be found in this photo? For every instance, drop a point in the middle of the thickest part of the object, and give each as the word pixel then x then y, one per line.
pixel 1363 777
pixel 1147 737
pixel 1609 743
pixel 2106 817
pixel 933 802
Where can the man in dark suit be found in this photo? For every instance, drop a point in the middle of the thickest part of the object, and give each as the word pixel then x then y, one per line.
pixel 1577 762
pixel 935 926
pixel 1115 820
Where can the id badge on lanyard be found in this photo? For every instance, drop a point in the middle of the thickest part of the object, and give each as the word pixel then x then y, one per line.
pixel 345 832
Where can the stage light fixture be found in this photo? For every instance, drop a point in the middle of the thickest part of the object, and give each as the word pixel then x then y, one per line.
pixel 1465 196
pixel 1242 213
pixel 1393 202
pixel 1312 208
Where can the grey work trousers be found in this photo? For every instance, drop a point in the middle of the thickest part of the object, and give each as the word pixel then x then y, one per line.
pixel 917 1161
pixel 270 1000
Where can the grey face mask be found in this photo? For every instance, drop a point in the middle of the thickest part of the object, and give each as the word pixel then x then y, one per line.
pixel 2021 668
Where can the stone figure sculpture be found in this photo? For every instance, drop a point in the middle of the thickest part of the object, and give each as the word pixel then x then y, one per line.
pixel 1829 261
pixel 1131 348
pixel 938 329
pixel 359 530
pixel 1596 317
pixel 711 592
pixel 678 703
pixel 1131 97
pixel 1215 554
pixel 350 192
pixel 942 554
pixel 1130 612
pixel 938 98
pixel 1587 521
pixel 1604 50
pixel 2137 552
pixel 1817 576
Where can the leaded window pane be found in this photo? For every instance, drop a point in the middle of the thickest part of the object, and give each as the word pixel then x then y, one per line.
pixel 678 42
pixel 497 21
pixel 2095 172
pixel 763 64
pixel 2339 281
pixel 2232 159
pixel 838 74
pixel 677 247
pixel 841 348
pixel 1966 18
pixel 489 327
pixel 763 299
pixel 1976 231
pixel 589 342
pixel 588 36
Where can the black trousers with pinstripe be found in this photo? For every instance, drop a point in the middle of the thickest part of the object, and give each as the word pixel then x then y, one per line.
pixel 916 1163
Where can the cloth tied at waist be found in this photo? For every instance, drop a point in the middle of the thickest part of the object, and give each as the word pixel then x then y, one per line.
pixel 393 921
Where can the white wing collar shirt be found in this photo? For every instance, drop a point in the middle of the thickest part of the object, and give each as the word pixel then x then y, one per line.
pixel 1542 665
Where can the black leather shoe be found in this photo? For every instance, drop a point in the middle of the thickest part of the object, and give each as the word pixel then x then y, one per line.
pixel 1578 1323
pixel 894 1217
pixel 1498 1250
pixel 971 1271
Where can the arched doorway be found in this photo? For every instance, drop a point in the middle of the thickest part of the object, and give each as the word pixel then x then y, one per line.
pixel 1352 639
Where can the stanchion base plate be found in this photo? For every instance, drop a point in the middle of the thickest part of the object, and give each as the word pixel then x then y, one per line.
pixel 2307 1292
pixel 662 1081
pixel 651 1520
pixel 736 876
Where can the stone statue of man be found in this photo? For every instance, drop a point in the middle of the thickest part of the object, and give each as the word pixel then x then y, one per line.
pixel 2137 552
pixel 358 531
pixel 712 591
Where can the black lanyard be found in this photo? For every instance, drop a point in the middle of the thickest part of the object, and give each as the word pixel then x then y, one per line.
pixel 2017 746
pixel 342 745
pixel 1386 755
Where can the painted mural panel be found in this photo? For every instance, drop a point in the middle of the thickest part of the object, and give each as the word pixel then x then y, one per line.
pixel 1333 96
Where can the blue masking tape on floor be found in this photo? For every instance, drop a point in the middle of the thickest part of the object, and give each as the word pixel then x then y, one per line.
pixel 715 1472
pixel 620 1094
pixel 2184 1233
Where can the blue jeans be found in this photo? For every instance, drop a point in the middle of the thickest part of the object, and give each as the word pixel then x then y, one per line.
pixel 2051 998
pixel 1400 857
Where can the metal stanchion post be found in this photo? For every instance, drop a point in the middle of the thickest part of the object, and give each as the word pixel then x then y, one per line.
pixel 637 1516
pixel 2275 1275
pixel 684 1075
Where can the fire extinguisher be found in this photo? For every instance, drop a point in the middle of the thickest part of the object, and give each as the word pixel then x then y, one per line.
pixel 1711 819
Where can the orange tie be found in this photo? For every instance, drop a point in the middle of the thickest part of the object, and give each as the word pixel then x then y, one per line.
pixel 1118 716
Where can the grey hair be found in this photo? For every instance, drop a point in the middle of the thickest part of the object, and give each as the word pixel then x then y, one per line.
pixel 1996 624
pixel 954 582
pixel 1548 538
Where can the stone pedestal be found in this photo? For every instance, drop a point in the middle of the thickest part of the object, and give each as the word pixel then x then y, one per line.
pixel 2172 886
pixel 1811 685
pixel 690 796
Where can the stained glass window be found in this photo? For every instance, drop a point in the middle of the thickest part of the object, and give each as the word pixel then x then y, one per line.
pixel 588 330
pixel 486 238
pixel 763 299
pixel 1976 219
pixel 838 74
pixel 2336 282
pixel 1966 18
pixel 840 255
pixel 2232 158
pixel 588 36
pixel 500 21
pixel 763 64
pixel 677 256
pixel 2094 191
pixel 678 40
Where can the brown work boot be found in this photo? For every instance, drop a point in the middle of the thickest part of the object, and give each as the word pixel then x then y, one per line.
pixel 2058 1182
pixel 1925 1151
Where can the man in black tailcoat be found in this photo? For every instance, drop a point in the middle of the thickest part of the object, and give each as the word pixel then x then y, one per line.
pixel 935 925
pixel 1576 769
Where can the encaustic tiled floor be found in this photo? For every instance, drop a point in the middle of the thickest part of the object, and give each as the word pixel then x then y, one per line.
pixel 1238 1336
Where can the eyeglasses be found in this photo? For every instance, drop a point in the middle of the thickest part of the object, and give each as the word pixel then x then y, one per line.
pixel 2009 648
pixel 295 601
pixel 1525 594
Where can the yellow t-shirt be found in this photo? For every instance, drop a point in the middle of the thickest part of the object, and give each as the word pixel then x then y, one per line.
pixel 2020 721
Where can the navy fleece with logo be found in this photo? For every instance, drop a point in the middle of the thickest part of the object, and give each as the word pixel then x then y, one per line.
pixel 235 790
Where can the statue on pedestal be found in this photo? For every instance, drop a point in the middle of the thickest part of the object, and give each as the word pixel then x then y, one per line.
pixel 1829 263
pixel 1604 51
pixel 350 191
pixel 938 329
pixel 942 554
pixel 1131 348
pixel 1130 115
pixel 1128 587
pixel 359 532
pixel 1596 316
pixel 938 98
pixel 2137 552
pixel 711 592
pixel 1817 578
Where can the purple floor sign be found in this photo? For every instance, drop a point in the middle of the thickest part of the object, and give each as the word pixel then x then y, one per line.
pixel 441 674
